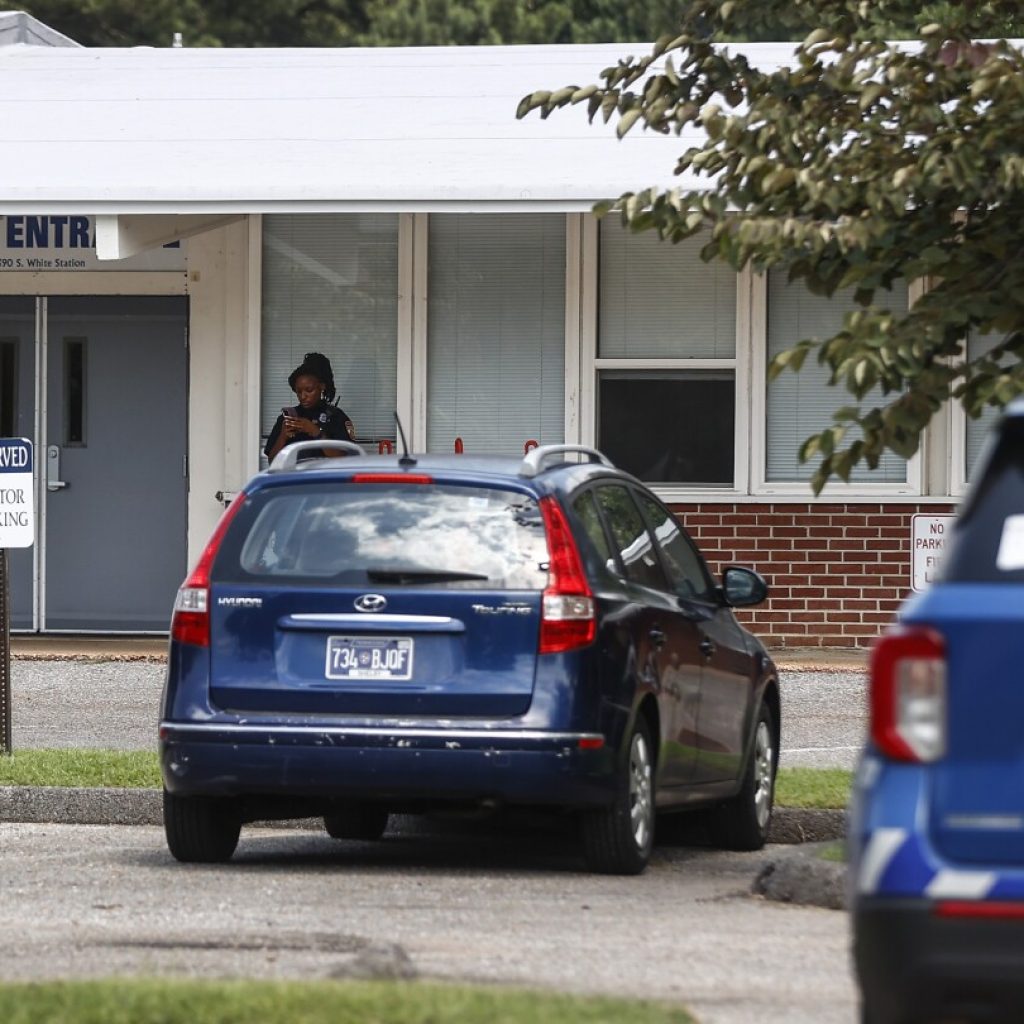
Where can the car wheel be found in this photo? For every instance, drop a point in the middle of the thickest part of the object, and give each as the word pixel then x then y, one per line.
pixel 357 821
pixel 617 840
pixel 742 823
pixel 201 830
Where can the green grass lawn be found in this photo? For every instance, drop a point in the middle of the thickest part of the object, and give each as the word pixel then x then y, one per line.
pixel 797 787
pixel 118 768
pixel 196 1002
pixel 813 787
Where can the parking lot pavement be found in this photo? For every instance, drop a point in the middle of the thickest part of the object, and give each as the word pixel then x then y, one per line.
pixel 115 704
pixel 824 716
pixel 79 703
pixel 505 906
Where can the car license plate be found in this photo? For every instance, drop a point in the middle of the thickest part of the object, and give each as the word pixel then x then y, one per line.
pixel 369 657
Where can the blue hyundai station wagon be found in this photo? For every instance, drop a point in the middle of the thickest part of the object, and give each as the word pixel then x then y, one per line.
pixel 937 819
pixel 366 636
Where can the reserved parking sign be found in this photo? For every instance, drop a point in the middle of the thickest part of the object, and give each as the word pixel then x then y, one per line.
pixel 17 493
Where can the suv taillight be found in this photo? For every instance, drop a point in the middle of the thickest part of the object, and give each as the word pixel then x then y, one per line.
pixel 191 621
pixel 908 695
pixel 567 607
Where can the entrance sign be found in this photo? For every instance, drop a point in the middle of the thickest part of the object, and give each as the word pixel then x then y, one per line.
pixel 929 536
pixel 31 244
pixel 17 504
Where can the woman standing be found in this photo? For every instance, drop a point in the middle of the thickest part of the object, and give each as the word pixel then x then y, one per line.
pixel 316 415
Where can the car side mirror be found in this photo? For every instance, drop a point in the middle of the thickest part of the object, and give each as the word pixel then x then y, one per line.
pixel 742 588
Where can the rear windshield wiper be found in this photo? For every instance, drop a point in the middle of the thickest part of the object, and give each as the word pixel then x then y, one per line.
pixel 420 575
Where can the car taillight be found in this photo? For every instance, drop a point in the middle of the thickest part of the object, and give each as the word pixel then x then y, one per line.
pixel 191 621
pixel 908 695
pixel 567 607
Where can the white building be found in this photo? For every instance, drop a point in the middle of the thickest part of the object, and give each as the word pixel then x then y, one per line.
pixel 385 207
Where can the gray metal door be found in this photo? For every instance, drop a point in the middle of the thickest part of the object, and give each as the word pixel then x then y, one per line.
pixel 116 491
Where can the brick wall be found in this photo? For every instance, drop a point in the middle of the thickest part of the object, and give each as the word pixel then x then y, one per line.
pixel 836 573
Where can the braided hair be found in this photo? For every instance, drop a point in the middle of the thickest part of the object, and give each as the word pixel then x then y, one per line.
pixel 315 364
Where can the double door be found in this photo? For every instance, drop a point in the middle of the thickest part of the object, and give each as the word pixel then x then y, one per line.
pixel 99 383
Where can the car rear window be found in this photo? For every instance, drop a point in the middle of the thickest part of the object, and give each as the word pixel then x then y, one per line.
pixel 389 535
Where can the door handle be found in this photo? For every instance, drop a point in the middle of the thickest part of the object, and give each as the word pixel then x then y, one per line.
pixel 53 481
pixel 658 637
pixel 707 647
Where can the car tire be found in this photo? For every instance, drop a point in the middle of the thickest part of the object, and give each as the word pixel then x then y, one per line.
pixel 743 822
pixel 617 840
pixel 201 830
pixel 357 821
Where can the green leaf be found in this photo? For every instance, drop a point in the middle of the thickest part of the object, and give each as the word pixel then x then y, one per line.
pixel 628 119
pixel 819 35
pixel 870 95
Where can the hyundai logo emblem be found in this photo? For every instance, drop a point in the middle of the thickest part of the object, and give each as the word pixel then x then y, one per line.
pixel 371 603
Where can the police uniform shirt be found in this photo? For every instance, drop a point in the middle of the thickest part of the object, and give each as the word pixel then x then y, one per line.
pixel 330 418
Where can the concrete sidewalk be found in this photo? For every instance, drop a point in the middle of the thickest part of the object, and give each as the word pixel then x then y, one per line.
pixel 86 647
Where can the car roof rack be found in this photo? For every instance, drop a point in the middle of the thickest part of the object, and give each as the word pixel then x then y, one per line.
pixel 288 458
pixel 534 460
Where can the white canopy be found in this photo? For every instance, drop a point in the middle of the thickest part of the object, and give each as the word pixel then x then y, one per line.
pixel 232 131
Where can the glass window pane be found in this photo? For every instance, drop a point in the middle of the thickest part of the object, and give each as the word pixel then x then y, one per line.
pixel 801 404
pixel 8 387
pixel 496 323
pixel 685 568
pixel 330 285
pixel 669 426
pixel 977 429
pixel 74 392
pixel 400 536
pixel 631 537
pixel 586 510
pixel 661 301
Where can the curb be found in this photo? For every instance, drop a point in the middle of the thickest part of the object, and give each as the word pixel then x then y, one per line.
pixel 70 806
pixel 800 875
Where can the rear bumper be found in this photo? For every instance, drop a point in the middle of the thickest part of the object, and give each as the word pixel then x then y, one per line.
pixel 913 965
pixel 381 763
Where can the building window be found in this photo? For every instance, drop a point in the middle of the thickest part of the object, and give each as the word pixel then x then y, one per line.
pixel 977 430
pixel 330 285
pixel 802 404
pixel 496 331
pixel 8 387
pixel 666 359
pixel 75 392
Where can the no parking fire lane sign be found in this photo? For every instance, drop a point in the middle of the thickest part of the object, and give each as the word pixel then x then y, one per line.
pixel 17 530
pixel 17 504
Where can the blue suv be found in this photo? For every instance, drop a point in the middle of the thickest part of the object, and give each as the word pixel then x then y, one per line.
pixel 937 818
pixel 366 636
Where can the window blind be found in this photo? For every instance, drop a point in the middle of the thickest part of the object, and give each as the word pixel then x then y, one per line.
pixel 661 301
pixel 330 285
pixel 802 404
pixel 496 331
pixel 977 429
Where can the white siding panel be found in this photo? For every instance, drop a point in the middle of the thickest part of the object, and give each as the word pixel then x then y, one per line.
pixel 257 129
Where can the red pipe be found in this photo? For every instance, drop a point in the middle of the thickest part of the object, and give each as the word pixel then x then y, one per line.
pixel 459 448
pixel 530 445
pixel 385 448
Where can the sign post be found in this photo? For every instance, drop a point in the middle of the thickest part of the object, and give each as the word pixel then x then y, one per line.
pixel 17 530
